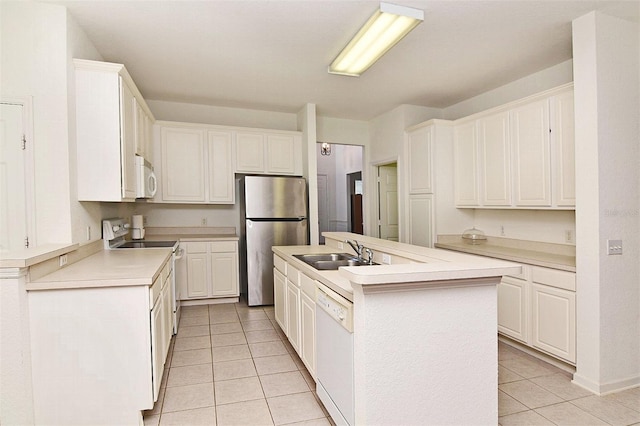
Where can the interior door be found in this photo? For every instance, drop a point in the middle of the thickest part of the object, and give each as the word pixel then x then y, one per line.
pixel 13 201
pixel 388 202
pixel 323 202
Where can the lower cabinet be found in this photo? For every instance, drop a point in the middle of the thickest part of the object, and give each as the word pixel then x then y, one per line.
pixel 212 270
pixel 539 310
pixel 161 325
pixel 295 310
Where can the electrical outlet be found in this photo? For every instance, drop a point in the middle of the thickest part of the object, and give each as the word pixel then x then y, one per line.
pixel 386 259
pixel 144 221
pixel 88 233
pixel 568 236
pixel 203 221
pixel 614 247
pixel 63 260
pixel 502 230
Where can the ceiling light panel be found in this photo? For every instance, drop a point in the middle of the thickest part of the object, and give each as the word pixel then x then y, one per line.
pixel 386 27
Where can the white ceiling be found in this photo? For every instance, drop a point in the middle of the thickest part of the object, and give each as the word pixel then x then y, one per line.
pixel 273 54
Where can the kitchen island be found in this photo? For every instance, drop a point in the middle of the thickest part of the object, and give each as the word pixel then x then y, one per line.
pixel 424 330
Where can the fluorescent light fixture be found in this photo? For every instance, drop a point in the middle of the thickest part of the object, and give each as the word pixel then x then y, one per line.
pixel 388 25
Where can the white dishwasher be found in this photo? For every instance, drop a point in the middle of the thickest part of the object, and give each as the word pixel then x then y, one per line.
pixel 334 351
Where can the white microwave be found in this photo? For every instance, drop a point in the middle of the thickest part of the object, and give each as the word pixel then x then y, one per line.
pixel 146 183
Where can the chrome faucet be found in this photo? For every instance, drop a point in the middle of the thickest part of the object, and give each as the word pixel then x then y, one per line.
pixel 356 246
pixel 369 255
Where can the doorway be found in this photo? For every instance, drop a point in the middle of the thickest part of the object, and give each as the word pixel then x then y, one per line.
pixel 339 174
pixel 388 202
pixel 14 180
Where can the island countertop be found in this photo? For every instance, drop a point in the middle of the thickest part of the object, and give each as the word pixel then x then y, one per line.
pixel 430 266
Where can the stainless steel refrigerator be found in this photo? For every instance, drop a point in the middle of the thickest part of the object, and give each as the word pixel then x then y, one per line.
pixel 273 213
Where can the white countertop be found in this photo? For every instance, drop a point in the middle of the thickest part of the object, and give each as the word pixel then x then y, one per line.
pixel 31 256
pixel 108 268
pixel 438 266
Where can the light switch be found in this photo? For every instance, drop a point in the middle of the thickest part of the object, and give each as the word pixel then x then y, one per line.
pixel 614 247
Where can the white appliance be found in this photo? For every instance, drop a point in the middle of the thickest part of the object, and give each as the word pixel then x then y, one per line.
pixel 334 352
pixel 146 182
pixel 114 232
pixel 137 227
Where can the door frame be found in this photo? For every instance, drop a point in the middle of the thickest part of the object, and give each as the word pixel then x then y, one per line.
pixel 26 102
pixel 374 171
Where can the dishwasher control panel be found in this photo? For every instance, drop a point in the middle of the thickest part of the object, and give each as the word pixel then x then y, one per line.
pixel 339 308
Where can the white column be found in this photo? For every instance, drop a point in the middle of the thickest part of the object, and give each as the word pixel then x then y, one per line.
pixel 607 114
pixel 16 391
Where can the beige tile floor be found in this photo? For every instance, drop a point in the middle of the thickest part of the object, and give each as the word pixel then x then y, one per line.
pixel 232 365
pixel 532 392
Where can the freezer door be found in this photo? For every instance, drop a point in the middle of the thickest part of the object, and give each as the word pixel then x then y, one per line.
pixel 275 197
pixel 260 237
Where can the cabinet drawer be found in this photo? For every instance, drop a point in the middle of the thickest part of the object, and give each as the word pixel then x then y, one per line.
pixel 223 247
pixel 308 286
pixel 293 275
pixel 554 278
pixel 280 264
pixel 524 275
pixel 193 247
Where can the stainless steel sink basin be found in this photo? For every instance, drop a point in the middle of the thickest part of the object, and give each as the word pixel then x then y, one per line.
pixel 331 261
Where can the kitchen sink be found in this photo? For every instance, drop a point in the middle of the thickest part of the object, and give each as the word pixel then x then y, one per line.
pixel 331 261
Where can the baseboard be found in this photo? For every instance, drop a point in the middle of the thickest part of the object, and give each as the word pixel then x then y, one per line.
pixel 215 301
pixel 540 355
pixel 605 388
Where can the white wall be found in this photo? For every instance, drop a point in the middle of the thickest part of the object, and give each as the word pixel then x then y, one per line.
pixel 34 64
pixel 387 146
pixel 540 81
pixel 226 116
pixel 607 97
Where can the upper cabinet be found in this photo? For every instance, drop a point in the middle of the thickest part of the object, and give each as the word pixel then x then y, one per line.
pixel 108 132
pixel 199 161
pixel 521 155
pixel 269 152
pixel 419 153
pixel 197 164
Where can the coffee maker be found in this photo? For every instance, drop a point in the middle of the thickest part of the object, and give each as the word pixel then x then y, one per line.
pixel 137 227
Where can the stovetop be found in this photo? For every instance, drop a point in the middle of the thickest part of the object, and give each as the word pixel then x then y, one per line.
pixel 146 244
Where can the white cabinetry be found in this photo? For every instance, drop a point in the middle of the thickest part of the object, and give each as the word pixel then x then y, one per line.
pixel 525 155
pixel 531 154
pixel 98 353
pixel 295 308
pixel 495 159
pixel 212 270
pixel 466 174
pixel 197 164
pixel 419 151
pixel 267 152
pixel 421 220
pixel 144 133
pixel 538 309
pixel 107 102
pixel 554 312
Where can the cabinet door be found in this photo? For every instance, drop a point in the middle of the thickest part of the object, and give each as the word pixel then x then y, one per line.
pixel 308 333
pixel 280 154
pixel 531 154
pixel 564 155
pixel 249 152
pixel 221 166
pixel 419 151
pixel 293 315
pixel 141 132
pixel 157 361
pixel 495 158
pixel 512 308
pixel 183 164
pixel 167 318
pixel 127 141
pixel 224 274
pixel 420 220
pixel 280 299
pixel 465 155
pixel 554 321
pixel 197 276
